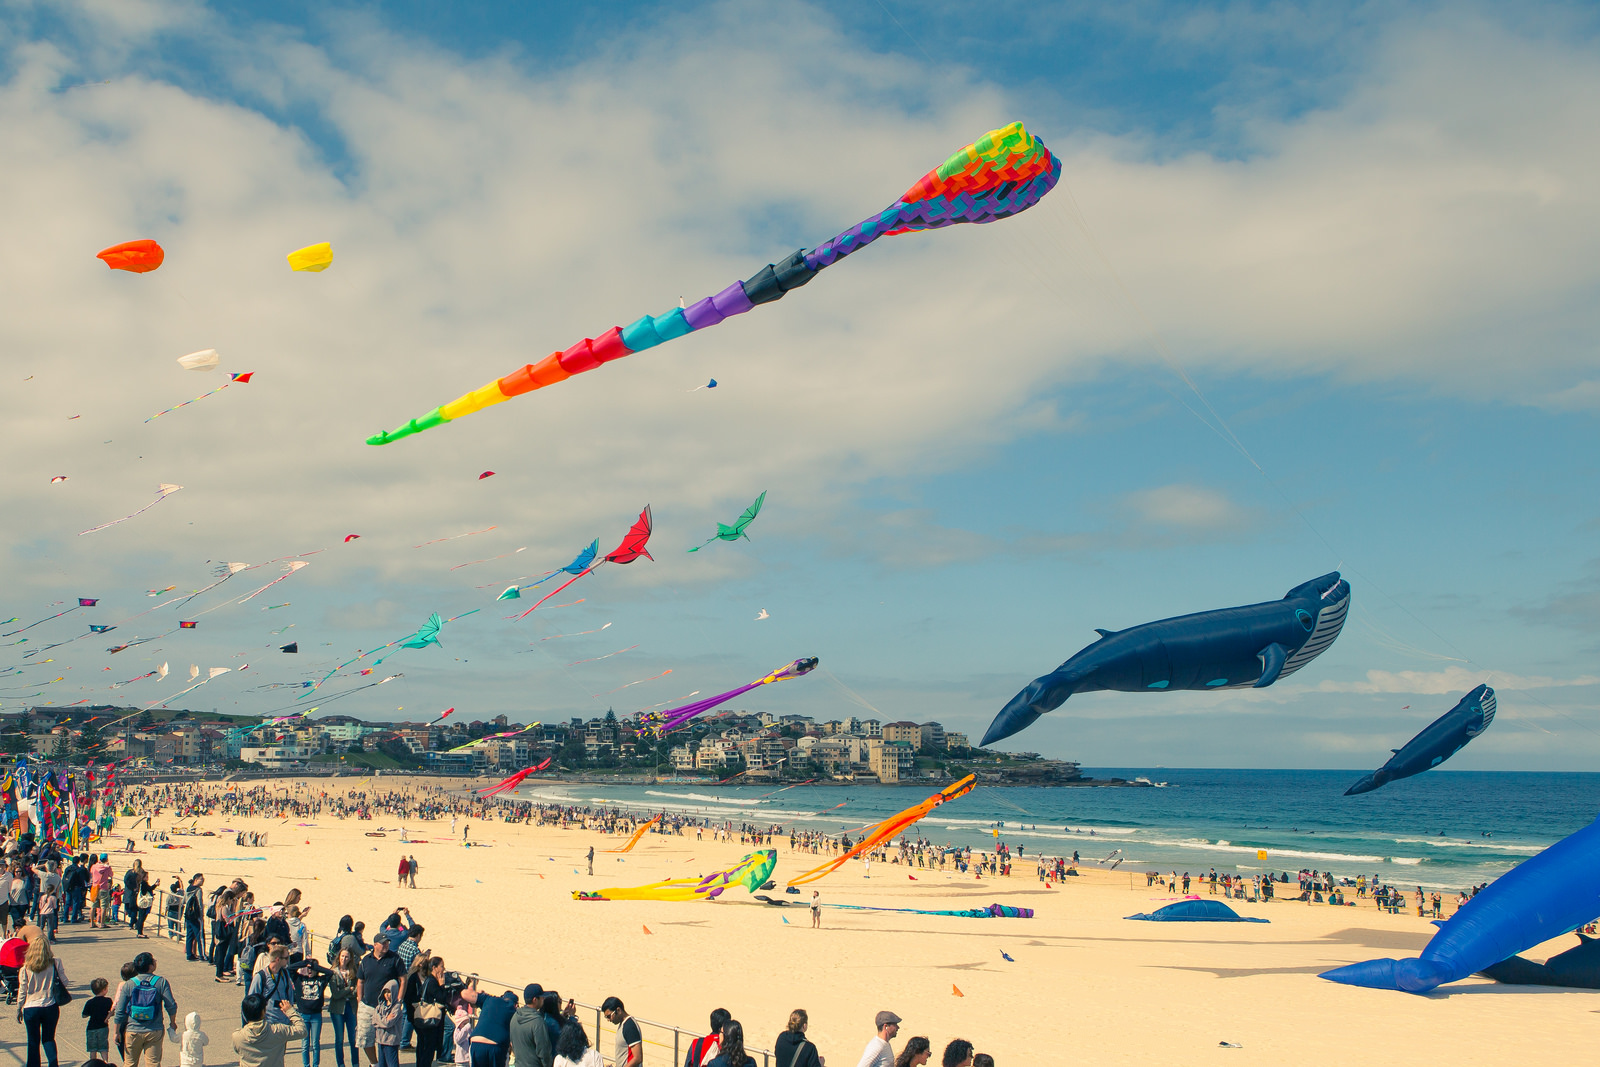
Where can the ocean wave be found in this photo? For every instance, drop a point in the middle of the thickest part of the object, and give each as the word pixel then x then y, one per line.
pixel 1489 844
pixel 739 801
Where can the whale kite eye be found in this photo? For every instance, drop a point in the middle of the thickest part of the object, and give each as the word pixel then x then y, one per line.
pixel 1305 619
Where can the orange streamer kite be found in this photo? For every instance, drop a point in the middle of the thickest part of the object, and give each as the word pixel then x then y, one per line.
pixel 634 840
pixel 888 828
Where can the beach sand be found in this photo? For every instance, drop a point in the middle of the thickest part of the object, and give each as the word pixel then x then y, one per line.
pixel 1085 982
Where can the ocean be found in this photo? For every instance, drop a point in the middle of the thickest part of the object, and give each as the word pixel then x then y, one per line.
pixel 1441 830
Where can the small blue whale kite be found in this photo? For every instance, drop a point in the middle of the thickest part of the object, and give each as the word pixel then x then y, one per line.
pixel 1195 911
pixel 1254 645
pixel 1443 738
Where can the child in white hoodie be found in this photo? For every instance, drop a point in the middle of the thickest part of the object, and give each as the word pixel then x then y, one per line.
pixel 192 1052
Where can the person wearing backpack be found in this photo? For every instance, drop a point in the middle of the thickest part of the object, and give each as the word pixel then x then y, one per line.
pixel 138 1012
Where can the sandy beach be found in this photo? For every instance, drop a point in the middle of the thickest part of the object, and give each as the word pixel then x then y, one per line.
pixel 1084 979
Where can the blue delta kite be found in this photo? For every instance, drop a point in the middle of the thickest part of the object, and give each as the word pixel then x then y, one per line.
pixel 1254 645
pixel 1443 738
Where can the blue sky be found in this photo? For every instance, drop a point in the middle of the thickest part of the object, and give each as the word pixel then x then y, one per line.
pixel 1364 233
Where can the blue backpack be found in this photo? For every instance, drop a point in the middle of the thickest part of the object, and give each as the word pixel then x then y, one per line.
pixel 144 1002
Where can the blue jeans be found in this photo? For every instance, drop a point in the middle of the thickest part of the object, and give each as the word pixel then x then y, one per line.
pixel 311 1044
pixel 488 1055
pixel 41 1024
pixel 344 1022
pixel 194 941
pixel 388 1056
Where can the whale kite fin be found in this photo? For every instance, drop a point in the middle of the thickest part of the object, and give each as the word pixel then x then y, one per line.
pixel 1272 658
pixel 1104 633
pixel 1411 976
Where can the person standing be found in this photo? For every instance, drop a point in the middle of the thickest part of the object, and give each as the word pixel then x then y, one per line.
pixel 99 891
pixel 390 1014
pixel 342 1006
pixel 405 868
pixel 194 931
pixel 271 983
pixel 140 1002
pixel 572 1048
pixel 378 968
pixel 37 1006
pixel 630 1042
pixel 260 1043
pixel 411 872
pixel 309 980
pixel 879 1053
pixel 429 1005
pixel 530 1038
pixel 490 1041
pixel 917 1052
pixel 97 1031
pixel 702 1050
pixel 732 1053
pixel 816 909
pixel 792 1049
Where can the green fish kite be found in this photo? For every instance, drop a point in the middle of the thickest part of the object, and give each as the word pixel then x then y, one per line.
pixel 736 531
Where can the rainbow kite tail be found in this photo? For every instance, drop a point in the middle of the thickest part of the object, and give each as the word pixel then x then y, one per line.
pixel 1004 172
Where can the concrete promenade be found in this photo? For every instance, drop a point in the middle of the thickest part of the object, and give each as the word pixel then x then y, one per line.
pixel 88 954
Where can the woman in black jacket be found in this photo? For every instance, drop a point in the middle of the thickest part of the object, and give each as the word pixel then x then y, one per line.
pixel 792 1049
pixel 425 986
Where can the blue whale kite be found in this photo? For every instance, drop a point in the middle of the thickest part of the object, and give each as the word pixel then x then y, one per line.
pixel 1443 738
pixel 1254 645
pixel 1546 896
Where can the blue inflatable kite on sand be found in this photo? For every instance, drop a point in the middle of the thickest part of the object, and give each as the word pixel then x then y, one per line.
pixel 1231 648
pixel 1441 739
pixel 1195 911
pixel 1553 893
pixel 1576 968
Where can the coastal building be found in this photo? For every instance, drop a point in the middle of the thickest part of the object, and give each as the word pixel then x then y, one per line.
pixel 908 732
pixel 275 757
pixel 891 761
pixel 930 738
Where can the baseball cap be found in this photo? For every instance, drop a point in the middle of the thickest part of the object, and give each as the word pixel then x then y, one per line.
pixel 885 1018
pixel 532 993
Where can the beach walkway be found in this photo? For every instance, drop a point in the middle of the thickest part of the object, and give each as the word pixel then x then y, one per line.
pixel 88 954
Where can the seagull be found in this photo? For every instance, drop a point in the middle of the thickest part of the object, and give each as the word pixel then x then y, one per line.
pixel 763 615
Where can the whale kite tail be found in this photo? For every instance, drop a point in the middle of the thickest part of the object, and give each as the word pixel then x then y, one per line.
pixel 1037 697
pixel 1409 976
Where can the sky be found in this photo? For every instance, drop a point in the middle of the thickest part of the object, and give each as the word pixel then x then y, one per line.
pixel 1316 291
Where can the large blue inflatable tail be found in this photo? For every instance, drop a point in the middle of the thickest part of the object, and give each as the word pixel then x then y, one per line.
pixel 1410 976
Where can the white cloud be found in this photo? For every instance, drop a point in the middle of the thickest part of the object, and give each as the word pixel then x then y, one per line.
pixel 486 215
pixel 1449 680
pixel 1188 506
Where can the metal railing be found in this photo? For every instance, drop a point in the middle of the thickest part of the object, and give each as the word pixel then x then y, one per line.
pixel 171 925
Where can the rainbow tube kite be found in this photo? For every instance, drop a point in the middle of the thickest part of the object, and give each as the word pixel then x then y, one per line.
pixel 751 872
pixel 886 829
pixel 660 723
pixel 1004 172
